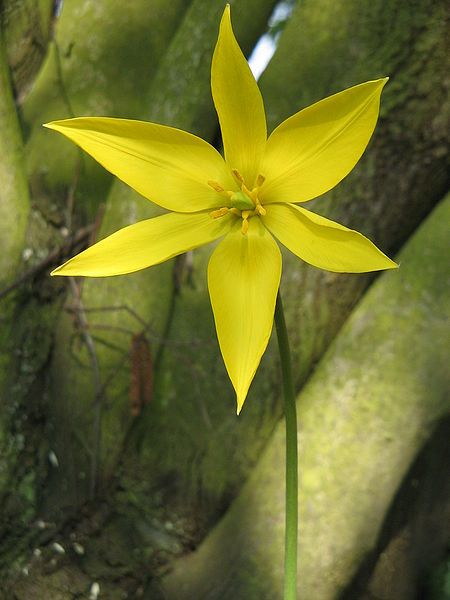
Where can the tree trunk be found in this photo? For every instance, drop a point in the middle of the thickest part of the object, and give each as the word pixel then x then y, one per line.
pixel 27 29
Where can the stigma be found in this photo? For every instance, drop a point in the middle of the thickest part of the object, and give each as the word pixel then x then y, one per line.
pixel 243 203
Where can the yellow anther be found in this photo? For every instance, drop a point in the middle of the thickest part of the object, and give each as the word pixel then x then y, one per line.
pixel 260 209
pixel 238 176
pixel 216 214
pixel 245 214
pixel 215 186
pixel 260 180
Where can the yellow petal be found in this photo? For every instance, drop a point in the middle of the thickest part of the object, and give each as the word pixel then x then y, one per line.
pixel 324 243
pixel 243 278
pixel 166 165
pixel 238 103
pixel 145 244
pixel 312 151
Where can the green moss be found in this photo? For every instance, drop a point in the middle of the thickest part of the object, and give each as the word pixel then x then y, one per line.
pixel 27 30
pixel 14 199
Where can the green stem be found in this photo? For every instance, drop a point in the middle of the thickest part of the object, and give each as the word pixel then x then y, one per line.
pixel 290 411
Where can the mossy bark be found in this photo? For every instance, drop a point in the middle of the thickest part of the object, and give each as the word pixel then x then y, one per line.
pixel 27 29
pixel 14 199
pixel 410 558
pixel 326 47
pixel 14 209
pixel 374 400
pixel 29 310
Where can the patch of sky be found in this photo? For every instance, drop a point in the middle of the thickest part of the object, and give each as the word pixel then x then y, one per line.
pixel 267 43
pixel 57 7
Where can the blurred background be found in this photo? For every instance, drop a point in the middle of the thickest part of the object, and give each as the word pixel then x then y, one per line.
pixel 124 471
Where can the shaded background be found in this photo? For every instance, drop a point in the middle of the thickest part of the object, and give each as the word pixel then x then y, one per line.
pixel 124 471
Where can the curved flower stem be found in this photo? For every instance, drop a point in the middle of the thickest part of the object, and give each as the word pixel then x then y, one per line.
pixel 290 411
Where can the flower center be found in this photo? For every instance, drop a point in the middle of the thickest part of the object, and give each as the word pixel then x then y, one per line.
pixel 244 202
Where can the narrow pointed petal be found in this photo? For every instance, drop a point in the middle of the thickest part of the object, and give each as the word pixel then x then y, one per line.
pixel 243 278
pixel 145 244
pixel 324 243
pixel 239 104
pixel 312 151
pixel 168 166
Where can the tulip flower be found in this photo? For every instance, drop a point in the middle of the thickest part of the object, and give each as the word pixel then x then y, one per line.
pixel 247 200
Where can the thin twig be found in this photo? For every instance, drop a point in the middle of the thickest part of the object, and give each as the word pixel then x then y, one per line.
pixel 71 194
pixel 115 308
pixel 80 237
pixel 84 326
pixel 59 72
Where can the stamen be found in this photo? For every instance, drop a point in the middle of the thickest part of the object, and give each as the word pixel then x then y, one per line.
pixel 260 180
pixel 245 214
pixel 251 194
pixel 238 176
pixel 216 214
pixel 260 209
pixel 215 186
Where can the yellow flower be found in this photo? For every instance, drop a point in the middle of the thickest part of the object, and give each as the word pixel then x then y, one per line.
pixel 246 199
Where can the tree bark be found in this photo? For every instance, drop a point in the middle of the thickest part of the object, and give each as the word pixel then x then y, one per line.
pixel 30 310
pixel 27 29
pixel 14 200
pixel 14 210
pixel 325 48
